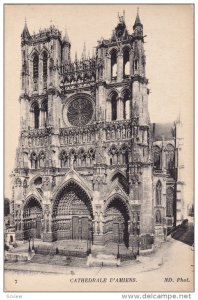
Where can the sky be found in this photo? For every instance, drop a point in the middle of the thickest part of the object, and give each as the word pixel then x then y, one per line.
pixel 169 57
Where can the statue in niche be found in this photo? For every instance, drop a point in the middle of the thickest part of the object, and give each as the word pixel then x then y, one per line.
pixel 158 217
pixel 88 136
pixel 29 142
pixel 53 181
pixel 113 133
pixel 118 133
pixel 42 159
pixel 46 182
pixel 108 134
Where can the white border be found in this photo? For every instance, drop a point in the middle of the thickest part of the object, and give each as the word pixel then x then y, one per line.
pixel 87 296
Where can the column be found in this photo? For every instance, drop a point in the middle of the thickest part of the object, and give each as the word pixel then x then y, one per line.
pixel 32 125
pixel 119 66
pixel 108 70
pixel 121 108
pixel 40 118
pixel 131 56
pixel 108 111
pixel 118 108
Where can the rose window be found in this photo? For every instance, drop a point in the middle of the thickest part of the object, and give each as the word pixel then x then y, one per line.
pixel 80 112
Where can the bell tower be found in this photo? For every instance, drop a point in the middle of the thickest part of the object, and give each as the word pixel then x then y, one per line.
pixel 139 82
pixel 122 98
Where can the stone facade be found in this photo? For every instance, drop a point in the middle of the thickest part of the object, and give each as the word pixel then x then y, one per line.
pixel 89 164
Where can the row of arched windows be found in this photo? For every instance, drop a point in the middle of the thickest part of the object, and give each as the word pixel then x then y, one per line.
pixel 77 158
pixel 120 107
pixel 39 114
pixel 36 69
pixel 169 198
pixel 114 63
pixel 37 161
pixel 118 155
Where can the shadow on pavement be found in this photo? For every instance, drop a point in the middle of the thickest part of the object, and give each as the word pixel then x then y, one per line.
pixel 184 234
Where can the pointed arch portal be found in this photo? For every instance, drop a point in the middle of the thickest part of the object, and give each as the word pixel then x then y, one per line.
pixel 72 213
pixel 117 217
pixel 32 218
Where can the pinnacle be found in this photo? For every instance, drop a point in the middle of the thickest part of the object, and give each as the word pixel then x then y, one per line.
pixel 25 34
pixel 137 20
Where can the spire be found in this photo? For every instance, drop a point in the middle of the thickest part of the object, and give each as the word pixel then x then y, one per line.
pixel 25 33
pixel 84 52
pixel 137 20
pixel 121 18
pixel 76 56
pixel 66 37
pixel 93 53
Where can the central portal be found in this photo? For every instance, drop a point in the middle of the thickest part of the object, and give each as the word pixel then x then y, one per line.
pixel 72 214
pixel 80 228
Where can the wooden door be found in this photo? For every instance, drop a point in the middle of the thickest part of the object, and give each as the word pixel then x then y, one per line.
pixel 75 228
pixel 85 228
pixel 116 232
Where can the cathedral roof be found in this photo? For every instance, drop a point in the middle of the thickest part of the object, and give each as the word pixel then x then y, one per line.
pixel 162 131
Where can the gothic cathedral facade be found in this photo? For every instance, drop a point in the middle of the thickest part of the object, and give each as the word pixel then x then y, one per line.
pixel 90 165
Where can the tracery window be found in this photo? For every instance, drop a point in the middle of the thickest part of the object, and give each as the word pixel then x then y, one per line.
pixel 35 66
pixel 126 105
pixel 113 64
pixel 157 157
pixel 170 157
pixel 158 193
pixel 35 71
pixel 169 201
pixel 114 107
pixel 124 154
pixel 45 64
pixel 44 114
pixel 36 113
pixel 80 112
pixel 126 64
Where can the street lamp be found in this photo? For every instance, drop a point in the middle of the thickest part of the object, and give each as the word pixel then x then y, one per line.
pixel 29 249
pixel 138 242
pixel 118 254
pixel 33 244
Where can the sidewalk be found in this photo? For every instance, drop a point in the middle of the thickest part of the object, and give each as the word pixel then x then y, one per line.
pixel 143 264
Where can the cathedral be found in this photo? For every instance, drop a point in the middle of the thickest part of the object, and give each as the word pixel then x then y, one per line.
pixel 90 165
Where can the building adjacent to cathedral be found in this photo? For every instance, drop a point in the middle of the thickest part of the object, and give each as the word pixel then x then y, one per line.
pixel 89 164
